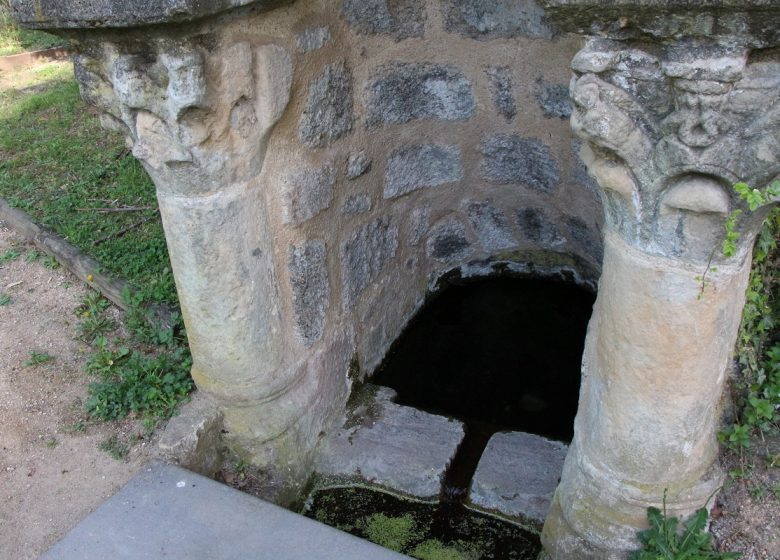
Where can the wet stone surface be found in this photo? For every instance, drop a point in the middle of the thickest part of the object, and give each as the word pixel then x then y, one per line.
pixel 421 530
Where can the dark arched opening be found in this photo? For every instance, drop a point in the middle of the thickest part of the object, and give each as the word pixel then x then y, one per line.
pixel 498 354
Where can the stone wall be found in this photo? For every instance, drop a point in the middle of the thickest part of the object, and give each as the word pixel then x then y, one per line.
pixel 321 165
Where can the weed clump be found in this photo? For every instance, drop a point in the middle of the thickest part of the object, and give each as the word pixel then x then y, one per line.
pixel 149 381
pixel 665 541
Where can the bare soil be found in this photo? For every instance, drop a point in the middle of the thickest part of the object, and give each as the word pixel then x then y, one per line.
pixel 52 473
pixel 746 516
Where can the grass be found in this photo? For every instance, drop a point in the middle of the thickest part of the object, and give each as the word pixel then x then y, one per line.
pixel 136 374
pixel 57 164
pixel 9 255
pixel 15 40
pixel 115 447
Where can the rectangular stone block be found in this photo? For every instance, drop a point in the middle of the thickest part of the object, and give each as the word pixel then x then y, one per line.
pixel 399 92
pixel 397 18
pixel 395 446
pixel 306 193
pixel 483 20
pixel 510 158
pixel 310 288
pixel 328 113
pixel 517 475
pixel 414 167
pixel 364 254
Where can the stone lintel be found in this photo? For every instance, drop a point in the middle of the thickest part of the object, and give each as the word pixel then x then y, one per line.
pixel 86 14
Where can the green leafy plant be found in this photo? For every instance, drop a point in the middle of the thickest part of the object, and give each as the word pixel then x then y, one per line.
pixel 757 388
pixel 94 321
pixel 754 199
pixel 666 540
pixel 150 380
pixel 148 385
pixel 38 358
pixel 5 299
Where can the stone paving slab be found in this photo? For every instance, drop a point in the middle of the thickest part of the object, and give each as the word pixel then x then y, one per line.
pixel 397 447
pixel 168 512
pixel 517 475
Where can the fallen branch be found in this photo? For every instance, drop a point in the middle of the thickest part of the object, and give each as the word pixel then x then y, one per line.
pixel 76 261
pixel 118 209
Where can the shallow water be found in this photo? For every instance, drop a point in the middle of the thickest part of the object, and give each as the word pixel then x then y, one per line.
pixel 435 531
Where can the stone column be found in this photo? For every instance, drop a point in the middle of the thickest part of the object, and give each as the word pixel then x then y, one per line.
pixel 199 120
pixel 676 104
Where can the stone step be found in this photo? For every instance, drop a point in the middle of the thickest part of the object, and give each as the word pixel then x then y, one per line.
pixel 517 475
pixel 397 447
pixel 168 512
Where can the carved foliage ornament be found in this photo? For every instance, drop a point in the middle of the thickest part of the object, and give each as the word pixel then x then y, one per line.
pixel 197 120
pixel 670 128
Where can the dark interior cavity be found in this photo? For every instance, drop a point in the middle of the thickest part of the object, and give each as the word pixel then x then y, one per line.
pixel 498 354
pixel 505 352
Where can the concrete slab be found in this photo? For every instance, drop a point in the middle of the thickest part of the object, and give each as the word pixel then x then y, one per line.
pixel 517 475
pixel 395 446
pixel 168 512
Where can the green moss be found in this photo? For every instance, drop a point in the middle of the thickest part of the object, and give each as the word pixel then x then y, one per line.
pixel 435 550
pixel 394 533
pixel 354 368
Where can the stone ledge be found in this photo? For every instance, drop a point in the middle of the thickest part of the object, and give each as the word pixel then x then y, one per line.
pixel 168 512
pixel 85 14
pixel 397 447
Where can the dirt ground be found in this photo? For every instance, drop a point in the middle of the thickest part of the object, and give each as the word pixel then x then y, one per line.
pixel 52 473
pixel 746 516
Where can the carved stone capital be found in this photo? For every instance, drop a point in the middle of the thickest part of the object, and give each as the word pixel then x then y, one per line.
pixel 197 119
pixel 669 129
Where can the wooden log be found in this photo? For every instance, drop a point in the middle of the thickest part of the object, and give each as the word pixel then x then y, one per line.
pixel 77 262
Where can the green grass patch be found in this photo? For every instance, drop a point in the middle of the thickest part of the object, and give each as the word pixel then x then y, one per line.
pixel 15 40
pixel 9 255
pixel 71 176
